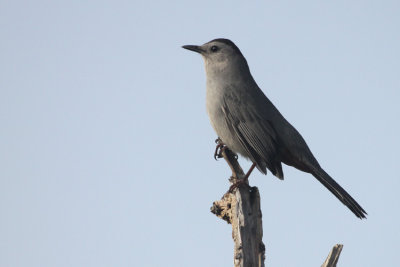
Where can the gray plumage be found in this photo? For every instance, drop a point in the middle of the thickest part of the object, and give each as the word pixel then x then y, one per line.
pixel 249 124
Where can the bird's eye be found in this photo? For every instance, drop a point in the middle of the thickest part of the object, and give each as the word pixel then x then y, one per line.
pixel 214 48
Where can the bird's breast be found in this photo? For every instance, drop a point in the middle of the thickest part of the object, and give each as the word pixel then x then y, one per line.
pixel 214 105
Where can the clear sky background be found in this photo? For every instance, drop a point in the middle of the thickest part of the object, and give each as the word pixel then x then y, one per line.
pixel 106 148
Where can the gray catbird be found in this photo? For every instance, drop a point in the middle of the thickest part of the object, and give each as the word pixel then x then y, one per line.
pixel 249 124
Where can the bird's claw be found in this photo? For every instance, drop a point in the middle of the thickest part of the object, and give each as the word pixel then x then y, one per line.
pixel 237 184
pixel 218 151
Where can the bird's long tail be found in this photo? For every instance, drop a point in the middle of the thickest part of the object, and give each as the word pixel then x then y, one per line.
pixel 340 193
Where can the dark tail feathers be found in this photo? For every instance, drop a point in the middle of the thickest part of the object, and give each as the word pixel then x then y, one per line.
pixel 340 193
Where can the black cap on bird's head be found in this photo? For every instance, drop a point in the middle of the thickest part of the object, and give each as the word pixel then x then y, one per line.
pixel 215 46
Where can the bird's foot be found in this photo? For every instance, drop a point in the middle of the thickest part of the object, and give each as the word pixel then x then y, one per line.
pixel 219 149
pixel 239 183
pixel 242 182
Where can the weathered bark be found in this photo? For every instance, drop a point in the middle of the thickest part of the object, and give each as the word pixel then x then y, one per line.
pixel 241 209
pixel 333 256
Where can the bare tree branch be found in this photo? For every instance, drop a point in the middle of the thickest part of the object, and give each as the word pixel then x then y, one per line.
pixel 241 209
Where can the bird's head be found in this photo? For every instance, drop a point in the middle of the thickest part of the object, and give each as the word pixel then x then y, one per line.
pixel 219 54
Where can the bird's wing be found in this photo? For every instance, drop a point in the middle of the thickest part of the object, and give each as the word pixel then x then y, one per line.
pixel 256 135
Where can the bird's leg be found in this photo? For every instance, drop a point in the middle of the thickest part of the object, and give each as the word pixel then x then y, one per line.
pixel 244 181
pixel 218 149
pixel 246 177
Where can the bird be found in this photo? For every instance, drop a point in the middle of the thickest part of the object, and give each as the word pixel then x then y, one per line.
pixel 249 124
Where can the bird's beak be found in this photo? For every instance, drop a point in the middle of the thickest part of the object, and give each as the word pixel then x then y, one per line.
pixel 194 48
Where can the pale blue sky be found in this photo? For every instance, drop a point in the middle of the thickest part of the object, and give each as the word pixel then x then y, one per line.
pixel 106 149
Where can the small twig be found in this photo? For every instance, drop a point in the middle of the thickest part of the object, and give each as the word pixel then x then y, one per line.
pixel 333 256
